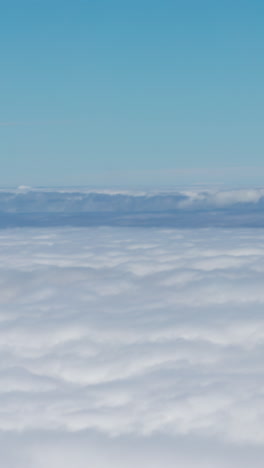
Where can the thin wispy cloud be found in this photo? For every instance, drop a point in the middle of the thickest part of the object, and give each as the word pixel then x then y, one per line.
pixel 34 122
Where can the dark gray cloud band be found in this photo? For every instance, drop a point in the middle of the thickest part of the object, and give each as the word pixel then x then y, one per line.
pixel 186 209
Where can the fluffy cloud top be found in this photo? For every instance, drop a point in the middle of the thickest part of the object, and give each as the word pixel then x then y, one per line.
pixel 131 342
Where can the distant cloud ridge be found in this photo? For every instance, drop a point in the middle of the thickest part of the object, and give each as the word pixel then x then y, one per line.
pixel 182 209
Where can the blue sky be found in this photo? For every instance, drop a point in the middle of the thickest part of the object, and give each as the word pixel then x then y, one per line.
pixel 147 92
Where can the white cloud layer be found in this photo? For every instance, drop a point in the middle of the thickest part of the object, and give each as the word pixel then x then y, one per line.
pixel 131 347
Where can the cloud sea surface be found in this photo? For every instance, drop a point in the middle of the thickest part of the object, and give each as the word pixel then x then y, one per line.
pixel 132 346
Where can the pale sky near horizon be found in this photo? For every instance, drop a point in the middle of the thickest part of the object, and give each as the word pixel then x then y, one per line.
pixel 147 92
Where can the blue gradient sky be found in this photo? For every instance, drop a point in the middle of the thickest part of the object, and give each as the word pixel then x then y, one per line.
pixel 143 92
